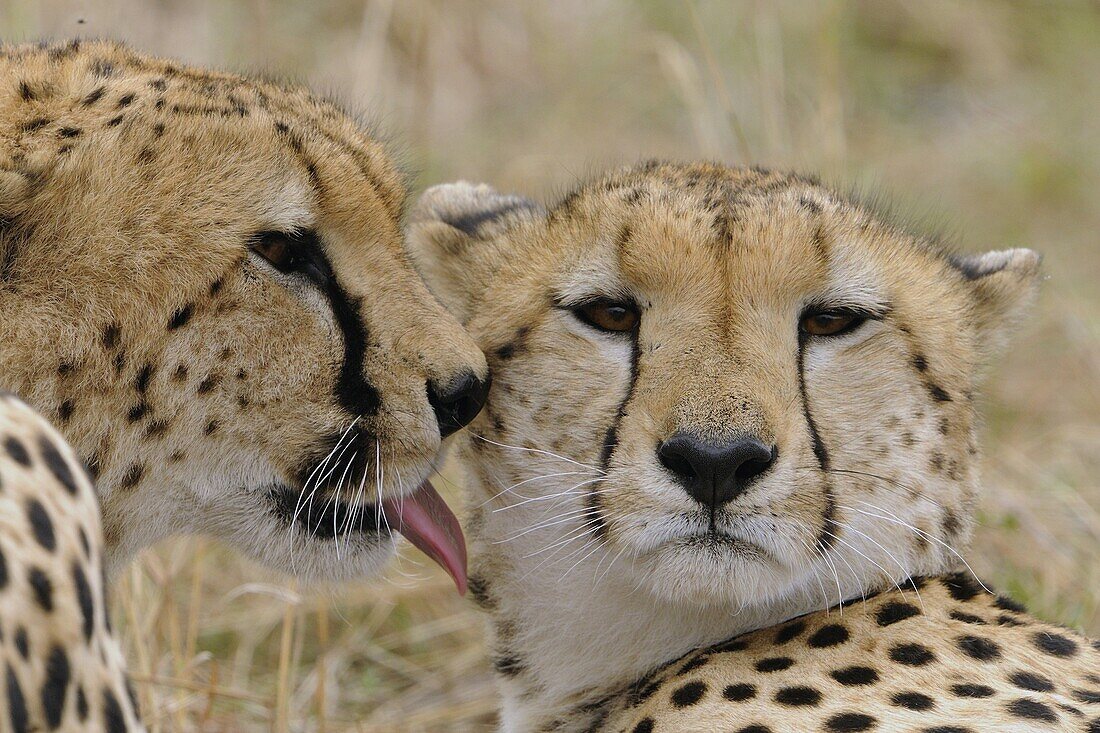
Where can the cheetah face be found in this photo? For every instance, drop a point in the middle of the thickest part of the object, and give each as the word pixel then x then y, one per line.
pixel 728 386
pixel 203 279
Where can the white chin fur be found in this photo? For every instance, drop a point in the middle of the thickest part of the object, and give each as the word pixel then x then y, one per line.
pixel 712 575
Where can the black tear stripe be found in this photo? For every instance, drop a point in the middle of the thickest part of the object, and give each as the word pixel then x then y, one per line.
pixel 611 442
pixel 829 527
pixel 820 451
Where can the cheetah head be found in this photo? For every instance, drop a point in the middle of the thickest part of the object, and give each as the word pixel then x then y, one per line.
pixel 202 280
pixel 728 386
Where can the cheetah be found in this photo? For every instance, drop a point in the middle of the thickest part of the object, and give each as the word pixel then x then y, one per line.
pixel 729 462
pixel 63 668
pixel 203 286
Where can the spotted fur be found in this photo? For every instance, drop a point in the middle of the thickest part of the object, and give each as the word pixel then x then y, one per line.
pixel 62 666
pixel 206 389
pixel 595 565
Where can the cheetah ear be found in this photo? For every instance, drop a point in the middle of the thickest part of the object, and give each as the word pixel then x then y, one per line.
pixel 455 238
pixel 1003 287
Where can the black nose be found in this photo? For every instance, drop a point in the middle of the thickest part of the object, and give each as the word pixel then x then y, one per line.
pixel 459 402
pixel 714 474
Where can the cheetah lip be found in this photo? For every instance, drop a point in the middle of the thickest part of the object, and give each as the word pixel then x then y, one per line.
pixel 429 524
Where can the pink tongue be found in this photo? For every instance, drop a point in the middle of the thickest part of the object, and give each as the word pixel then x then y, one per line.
pixel 427 522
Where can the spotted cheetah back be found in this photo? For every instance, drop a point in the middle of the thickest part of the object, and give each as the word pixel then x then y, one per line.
pixel 63 667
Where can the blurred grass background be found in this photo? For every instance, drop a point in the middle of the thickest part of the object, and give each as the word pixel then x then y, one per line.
pixel 983 117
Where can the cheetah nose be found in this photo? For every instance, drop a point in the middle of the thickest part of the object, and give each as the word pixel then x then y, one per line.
pixel 715 474
pixel 459 402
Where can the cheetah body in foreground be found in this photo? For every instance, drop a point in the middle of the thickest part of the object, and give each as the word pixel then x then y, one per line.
pixel 203 286
pixel 725 401
pixel 63 668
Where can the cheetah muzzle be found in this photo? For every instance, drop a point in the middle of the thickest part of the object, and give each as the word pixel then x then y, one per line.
pixel 727 472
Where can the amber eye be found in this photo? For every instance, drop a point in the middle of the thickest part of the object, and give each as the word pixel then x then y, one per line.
pixel 278 248
pixel 831 323
pixel 608 315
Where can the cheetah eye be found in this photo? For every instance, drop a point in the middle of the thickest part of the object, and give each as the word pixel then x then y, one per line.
pixel 609 315
pixel 831 322
pixel 291 252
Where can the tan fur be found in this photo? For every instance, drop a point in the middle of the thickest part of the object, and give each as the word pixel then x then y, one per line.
pixel 193 378
pixel 594 563
pixel 63 668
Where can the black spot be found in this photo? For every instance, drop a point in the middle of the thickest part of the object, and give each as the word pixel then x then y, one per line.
pixel 979 648
pixel 207 384
pixel 1031 681
pixel 126 100
pixel 891 613
pixel 961 586
pixel 21 642
pixel 26 93
pixel 81 703
pixel 693 664
pixel 114 121
pixel 159 84
pixel 156 428
pixel 180 317
pixel 180 374
pixel 774 664
pixel 789 632
pixel 65 368
pixel 920 363
pixel 1092 697
pixel 755 728
pixel 3 571
pixel 17 705
pixel 84 600
pixel 938 393
pixel 967 618
pixel 141 381
pixel 56 687
pixel 41 525
pixel 645 725
pixel 114 720
pixel 65 411
pixel 132 476
pixel 797 696
pixel 211 428
pixel 42 587
pixel 57 464
pixel 146 155
pixel 853 676
pixel 914 655
pixel 946 729
pixel 849 723
pixel 688 694
pixel 970 690
pixel 93 96
pixel 1032 710
pixel 1094 726
pixel 733 645
pixel 739 692
pixel 1007 604
pixel 110 335
pixel 1055 644
pixel 36 124
pixel 829 635
pixel 137 412
pixel 1005 620
pixel 69 132
pixel 912 701
pixel 17 451
pixel 508 665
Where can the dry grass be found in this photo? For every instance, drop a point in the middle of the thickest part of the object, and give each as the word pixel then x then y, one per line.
pixel 983 112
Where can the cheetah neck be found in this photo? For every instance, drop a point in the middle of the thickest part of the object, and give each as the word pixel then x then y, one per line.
pixel 568 634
